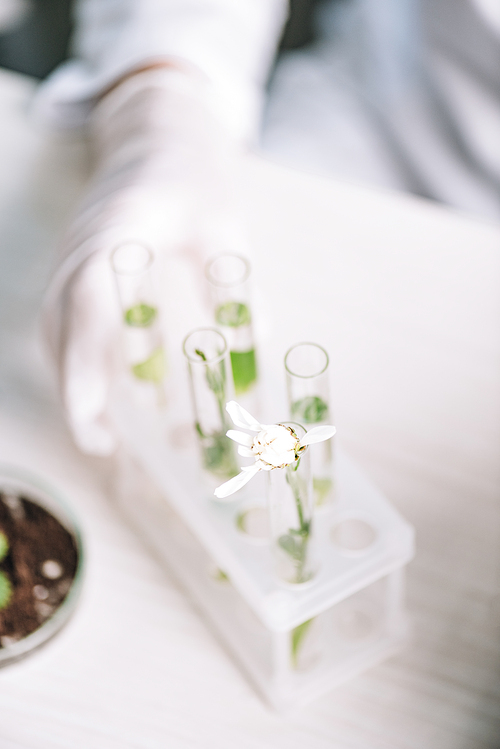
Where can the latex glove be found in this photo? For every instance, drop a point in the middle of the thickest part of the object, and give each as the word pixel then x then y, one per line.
pixel 163 164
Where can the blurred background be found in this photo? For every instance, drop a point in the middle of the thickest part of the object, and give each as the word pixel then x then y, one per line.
pixel 398 93
pixel 35 34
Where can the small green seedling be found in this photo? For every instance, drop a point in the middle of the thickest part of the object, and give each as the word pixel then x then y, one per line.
pixel 5 584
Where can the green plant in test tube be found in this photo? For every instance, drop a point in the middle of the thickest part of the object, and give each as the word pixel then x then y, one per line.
pixel 306 366
pixel 282 452
pixel 133 265
pixel 208 365
pixel 295 540
pixel 228 277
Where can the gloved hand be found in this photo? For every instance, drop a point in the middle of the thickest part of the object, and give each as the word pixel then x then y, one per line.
pixel 162 168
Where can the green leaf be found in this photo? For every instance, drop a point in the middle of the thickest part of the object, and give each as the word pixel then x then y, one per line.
pixel 298 635
pixel 221 576
pixel 214 375
pixel 153 369
pixel 244 369
pixel 233 314
pixel 303 531
pixel 140 316
pixel 322 488
pixel 293 546
pixel 5 591
pixel 310 410
pixel 4 546
pixel 218 455
pixel 240 522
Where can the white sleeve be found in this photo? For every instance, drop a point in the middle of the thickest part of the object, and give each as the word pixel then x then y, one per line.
pixel 490 11
pixel 231 42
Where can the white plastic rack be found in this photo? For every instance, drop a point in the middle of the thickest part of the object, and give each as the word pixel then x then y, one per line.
pixel 294 643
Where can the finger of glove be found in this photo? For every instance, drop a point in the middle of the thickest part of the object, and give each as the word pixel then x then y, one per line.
pixel 156 214
pixel 88 355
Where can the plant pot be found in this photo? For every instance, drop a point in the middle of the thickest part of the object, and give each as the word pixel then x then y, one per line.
pixel 41 560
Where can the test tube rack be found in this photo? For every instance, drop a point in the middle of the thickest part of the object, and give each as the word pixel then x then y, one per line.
pixel 293 643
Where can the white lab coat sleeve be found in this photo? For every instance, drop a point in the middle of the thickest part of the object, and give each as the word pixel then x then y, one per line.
pixel 230 42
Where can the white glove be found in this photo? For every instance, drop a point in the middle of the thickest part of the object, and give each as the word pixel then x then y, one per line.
pixel 163 163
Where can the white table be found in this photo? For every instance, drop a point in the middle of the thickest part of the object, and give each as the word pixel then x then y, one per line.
pixel 404 295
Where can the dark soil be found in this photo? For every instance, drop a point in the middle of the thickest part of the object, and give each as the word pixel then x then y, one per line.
pixel 41 565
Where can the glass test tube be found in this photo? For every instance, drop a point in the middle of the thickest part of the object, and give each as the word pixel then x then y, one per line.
pixel 209 369
pixel 290 505
pixel 228 278
pixel 133 265
pixel 306 366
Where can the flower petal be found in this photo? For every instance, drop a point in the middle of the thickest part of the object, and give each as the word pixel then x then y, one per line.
pixel 317 434
pixel 242 418
pixel 240 437
pixel 231 486
pixel 246 452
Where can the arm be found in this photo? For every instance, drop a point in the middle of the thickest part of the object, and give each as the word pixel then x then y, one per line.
pixel 169 90
pixel 230 42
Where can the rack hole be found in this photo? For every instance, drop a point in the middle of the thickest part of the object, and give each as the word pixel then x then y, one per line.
pixel 254 523
pixel 353 535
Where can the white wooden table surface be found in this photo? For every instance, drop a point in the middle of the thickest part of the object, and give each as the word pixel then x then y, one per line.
pixel 405 296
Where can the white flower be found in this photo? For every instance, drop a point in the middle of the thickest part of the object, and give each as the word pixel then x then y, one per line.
pixel 275 446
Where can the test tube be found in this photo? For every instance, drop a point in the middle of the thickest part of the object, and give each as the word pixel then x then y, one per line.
pixel 133 265
pixel 209 370
pixel 290 505
pixel 228 276
pixel 306 366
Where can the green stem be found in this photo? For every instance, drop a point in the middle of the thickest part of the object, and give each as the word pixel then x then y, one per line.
pixel 300 510
pixel 296 542
pixel 217 448
pixel 304 526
